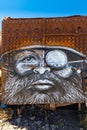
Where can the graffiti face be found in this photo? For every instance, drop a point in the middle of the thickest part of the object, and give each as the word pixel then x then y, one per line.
pixel 42 62
pixel 42 75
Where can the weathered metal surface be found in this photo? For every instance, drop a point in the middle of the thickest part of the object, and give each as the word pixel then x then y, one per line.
pixel 42 60
pixel 62 31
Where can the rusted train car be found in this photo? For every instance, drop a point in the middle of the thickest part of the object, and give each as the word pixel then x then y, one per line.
pixel 44 61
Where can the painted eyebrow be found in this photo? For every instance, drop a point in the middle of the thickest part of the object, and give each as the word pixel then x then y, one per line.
pixel 24 54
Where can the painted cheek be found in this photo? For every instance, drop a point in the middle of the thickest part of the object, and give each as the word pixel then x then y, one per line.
pixel 65 73
pixel 22 68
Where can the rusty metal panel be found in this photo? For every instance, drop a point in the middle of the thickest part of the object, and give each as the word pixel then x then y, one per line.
pixel 21 32
pixel 31 71
pixel 63 31
pixel 67 31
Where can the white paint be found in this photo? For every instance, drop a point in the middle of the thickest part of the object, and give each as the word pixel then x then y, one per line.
pixel 56 58
pixel 22 68
pixel 41 70
pixel 45 81
pixel 78 71
pixel 43 84
pixel 65 73
pixel 42 87
pixel 76 61
pixel 0 73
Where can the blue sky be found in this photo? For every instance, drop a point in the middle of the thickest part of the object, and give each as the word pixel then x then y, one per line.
pixel 42 8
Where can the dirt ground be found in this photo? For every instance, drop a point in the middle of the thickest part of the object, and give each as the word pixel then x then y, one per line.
pixel 35 118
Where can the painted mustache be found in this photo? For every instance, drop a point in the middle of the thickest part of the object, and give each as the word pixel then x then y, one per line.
pixel 46 81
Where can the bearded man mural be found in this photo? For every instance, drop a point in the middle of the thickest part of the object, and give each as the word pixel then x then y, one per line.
pixel 43 75
pixel 40 74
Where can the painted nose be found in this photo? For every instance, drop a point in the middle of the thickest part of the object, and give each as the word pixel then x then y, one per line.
pixel 41 70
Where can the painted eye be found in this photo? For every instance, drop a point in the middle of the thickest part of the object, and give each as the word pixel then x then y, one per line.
pixel 30 60
pixel 56 58
pixel 26 64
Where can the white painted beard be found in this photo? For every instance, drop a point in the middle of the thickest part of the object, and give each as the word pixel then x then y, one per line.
pixel 36 89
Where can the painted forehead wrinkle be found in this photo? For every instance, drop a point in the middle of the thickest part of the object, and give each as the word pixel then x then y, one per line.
pixel 40 52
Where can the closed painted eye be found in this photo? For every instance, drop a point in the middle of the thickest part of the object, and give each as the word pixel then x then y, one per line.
pixel 56 58
pixel 25 65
